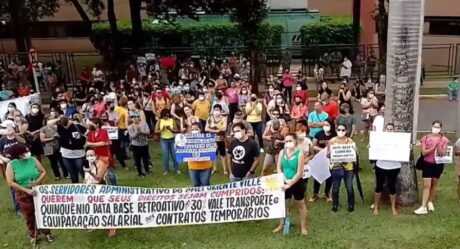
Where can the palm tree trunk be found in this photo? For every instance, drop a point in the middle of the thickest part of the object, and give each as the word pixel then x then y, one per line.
pixel 136 22
pixel 403 80
pixel 356 20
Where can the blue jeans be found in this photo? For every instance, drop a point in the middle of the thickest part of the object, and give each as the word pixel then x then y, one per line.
pixel 74 166
pixel 167 148
pixel 258 131
pixel 337 175
pixel 200 177
pixel 111 178
pixel 452 94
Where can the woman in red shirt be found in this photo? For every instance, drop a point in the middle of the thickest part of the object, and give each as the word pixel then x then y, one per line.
pixel 98 139
pixel 301 92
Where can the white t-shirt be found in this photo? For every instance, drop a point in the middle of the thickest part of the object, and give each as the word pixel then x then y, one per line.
pixel 388 164
pixel 97 75
pixel 379 123
pixel 346 68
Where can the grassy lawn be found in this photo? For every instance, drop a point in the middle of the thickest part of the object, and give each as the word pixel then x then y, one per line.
pixel 326 229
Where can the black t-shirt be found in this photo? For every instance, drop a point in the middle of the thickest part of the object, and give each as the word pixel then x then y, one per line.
pixel 323 139
pixel 72 137
pixel 5 144
pixel 327 90
pixel 243 154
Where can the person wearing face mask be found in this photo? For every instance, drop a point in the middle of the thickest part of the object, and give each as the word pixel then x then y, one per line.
pixel 304 143
pixel 50 141
pixel 20 123
pixel 378 124
pixel 388 170
pixel 217 124
pixel 347 119
pixel 345 69
pixel 290 163
pixel 98 140
pixel 72 142
pixel 320 142
pixel 189 120
pixel 330 106
pixel 22 174
pixel 341 171
pixel 177 108
pixel 239 118
pixel 201 108
pixel 316 119
pixel 167 128
pixel 160 103
pixel 10 113
pixel 221 83
pixel 243 98
pixel 253 112
pixel 134 107
pixel 370 107
pixel 222 101
pixel 301 92
pixel 299 110
pixel 67 110
pixel 35 122
pixel 232 96
pixel 243 153
pixel 433 144
pixel 274 140
pixel 282 107
pixel 200 171
pixel 96 172
pixel 269 98
pixel 345 97
pixel 324 89
pixel 138 133
pixel 288 80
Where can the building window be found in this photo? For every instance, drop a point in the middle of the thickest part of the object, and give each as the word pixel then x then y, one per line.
pixel 443 25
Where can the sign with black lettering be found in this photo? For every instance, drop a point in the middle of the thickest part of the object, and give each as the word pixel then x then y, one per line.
pixel 82 206
pixel 447 159
pixel 195 147
pixel 343 153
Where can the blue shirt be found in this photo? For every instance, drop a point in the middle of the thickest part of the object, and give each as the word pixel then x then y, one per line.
pixel 69 111
pixel 315 117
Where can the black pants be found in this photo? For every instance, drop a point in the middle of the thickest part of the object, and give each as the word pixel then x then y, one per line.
pixel 203 125
pixel 150 119
pixel 327 189
pixel 390 174
pixel 116 150
pixel 233 108
pixel 55 162
pixel 141 156
pixel 288 94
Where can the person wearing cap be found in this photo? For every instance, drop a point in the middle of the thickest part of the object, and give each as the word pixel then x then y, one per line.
pixel 22 174
pixel 345 118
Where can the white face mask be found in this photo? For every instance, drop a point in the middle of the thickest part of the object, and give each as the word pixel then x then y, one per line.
pixel 289 145
pixel 301 135
pixel 244 92
pixel 238 135
pixel 436 130
pixel 195 132
pixel 27 155
pixel 299 88
pixel 205 90
pixel 216 113
pixel 341 133
pixel 91 158
pixel 10 109
pixel 201 98
pixel 63 106
pixel 371 96
pixel 35 110
pixel 327 128
pixel 270 90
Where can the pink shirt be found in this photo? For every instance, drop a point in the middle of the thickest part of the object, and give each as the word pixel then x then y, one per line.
pixel 99 108
pixel 232 95
pixel 430 142
pixel 287 80
pixel 299 113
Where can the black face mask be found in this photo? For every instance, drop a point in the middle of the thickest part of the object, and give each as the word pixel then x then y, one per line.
pixel 112 108
pixel 253 99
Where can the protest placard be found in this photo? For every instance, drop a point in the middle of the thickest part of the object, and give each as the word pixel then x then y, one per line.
pixel 112 131
pixel 448 158
pixel 195 147
pixel 389 146
pixel 80 206
pixel 319 166
pixel 341 153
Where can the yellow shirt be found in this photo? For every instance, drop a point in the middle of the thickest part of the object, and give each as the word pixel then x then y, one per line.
pixel 200 165
pixel 166 134
pixel 255 115
pixel 122 113
pixel 201 109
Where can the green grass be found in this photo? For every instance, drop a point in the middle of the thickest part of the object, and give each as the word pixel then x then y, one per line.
pixel 326 229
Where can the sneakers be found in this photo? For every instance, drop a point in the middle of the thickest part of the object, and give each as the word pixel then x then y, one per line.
pixel 328 198
pixel 430 206
pixel 421 211
pixel 313 198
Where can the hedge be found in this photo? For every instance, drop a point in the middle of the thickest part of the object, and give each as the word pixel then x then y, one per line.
pixel 184 35
pixel 329 30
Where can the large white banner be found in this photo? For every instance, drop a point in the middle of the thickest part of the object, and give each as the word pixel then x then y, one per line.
pixel 22 104
pixel 81 206
pixel 389 146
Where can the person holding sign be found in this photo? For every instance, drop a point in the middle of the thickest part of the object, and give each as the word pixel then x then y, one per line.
pixel 166 127
pixel 138 133
pixel 341 170
pixel 389 170
pixel 96 173
pixel 22 174
pixel 244 154
pixel 290 163
pixel 200 172
pixel 432 144
pixel 217 124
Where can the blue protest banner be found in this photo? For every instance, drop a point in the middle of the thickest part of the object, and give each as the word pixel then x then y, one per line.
pixel 195 147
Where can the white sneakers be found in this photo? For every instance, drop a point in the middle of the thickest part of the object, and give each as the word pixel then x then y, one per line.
pixel 424 210
pixel 421 210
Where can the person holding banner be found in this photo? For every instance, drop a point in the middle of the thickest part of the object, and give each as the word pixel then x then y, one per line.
pixel 96 172
pixel 342 170
pixel 200 171
pixel 320 141
pixel 22 174
pixel 244 154
pixel 290 163
pixel 432 144
pixel 166 127
pixel 389 170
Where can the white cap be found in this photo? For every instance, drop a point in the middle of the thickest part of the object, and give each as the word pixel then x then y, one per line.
pixel 8 123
